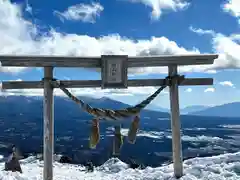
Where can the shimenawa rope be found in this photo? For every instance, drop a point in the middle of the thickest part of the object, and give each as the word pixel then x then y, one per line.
pixel 109 114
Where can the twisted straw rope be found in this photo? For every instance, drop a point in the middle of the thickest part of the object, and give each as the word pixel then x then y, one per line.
pixel 109 114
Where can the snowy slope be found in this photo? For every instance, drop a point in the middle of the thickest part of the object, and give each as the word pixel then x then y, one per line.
pixel 221 167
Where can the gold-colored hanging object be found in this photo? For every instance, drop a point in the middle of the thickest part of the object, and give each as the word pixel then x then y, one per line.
pixel 95 134
pixel 132 133
pixel 118 141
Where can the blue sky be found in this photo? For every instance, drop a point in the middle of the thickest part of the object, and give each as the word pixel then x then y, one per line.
pixel 133 27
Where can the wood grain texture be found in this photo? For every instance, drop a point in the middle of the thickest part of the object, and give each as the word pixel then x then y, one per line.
pixel 97 83
pixel 95 62
pixel 48 114
pixel 175 125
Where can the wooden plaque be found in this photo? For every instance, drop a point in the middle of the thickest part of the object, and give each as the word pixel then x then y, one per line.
pixel 114 71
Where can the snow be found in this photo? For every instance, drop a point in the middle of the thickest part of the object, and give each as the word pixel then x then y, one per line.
pixel 201 138
pixel 141 133
pixel 230 126
pixel 222 167
pixel 161 135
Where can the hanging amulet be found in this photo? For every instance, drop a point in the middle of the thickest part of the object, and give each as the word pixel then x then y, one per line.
pixel 132 133
pixel 118 141
pixel 95 134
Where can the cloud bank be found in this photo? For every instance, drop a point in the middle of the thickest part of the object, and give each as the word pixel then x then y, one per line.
pixel 93 92
pixel 227 47
pixel 18 36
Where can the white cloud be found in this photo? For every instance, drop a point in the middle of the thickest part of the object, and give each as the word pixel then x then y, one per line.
pixel 159 5
pixel 227 47
pixel 232 7
pixel 229 51
pixel 28 8
pixel 81 12
pixel 235 37
pixel 209 90
pixel 15 32
pixel 189 90
pixel 17 38
pixel 16 80
pixel 93 92
pixel 227 83
pixel 201 31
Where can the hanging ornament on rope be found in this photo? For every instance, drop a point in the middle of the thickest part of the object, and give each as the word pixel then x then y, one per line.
pixel 117 141
pixel 132 133
pixel 95 134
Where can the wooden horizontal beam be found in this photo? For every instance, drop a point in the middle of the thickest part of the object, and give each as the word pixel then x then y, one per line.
pixel 95 62
pixel 97 83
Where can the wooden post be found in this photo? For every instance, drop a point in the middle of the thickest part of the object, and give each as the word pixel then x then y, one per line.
pixel 175 124
pixel 48 125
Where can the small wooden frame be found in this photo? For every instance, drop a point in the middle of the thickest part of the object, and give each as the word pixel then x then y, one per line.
pixel 114 71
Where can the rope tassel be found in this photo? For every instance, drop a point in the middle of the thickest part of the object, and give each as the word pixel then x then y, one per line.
pixel 95 134
pixel 132 133
pixel 118 141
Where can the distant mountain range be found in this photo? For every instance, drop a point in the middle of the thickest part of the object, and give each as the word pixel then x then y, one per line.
pixel 34 105
pixel 192 109
pixel 225 110
pixel 157 108
pixel 186 110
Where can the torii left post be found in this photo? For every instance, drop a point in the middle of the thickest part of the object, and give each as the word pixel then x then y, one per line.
pixel 48 113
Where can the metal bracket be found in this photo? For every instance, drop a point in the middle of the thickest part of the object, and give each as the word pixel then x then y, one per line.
pixel 50 80
pixel 179 78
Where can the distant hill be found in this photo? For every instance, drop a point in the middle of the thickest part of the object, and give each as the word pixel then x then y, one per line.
pixel 157 108
pixel 225 110
pixel 64 107
pixel 192 109
pixel 186 110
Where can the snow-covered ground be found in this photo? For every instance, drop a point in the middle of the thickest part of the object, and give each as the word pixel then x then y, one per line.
pixel 226 166
pixel 161 135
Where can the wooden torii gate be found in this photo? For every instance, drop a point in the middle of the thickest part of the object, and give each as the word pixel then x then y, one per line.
pixel 114 75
